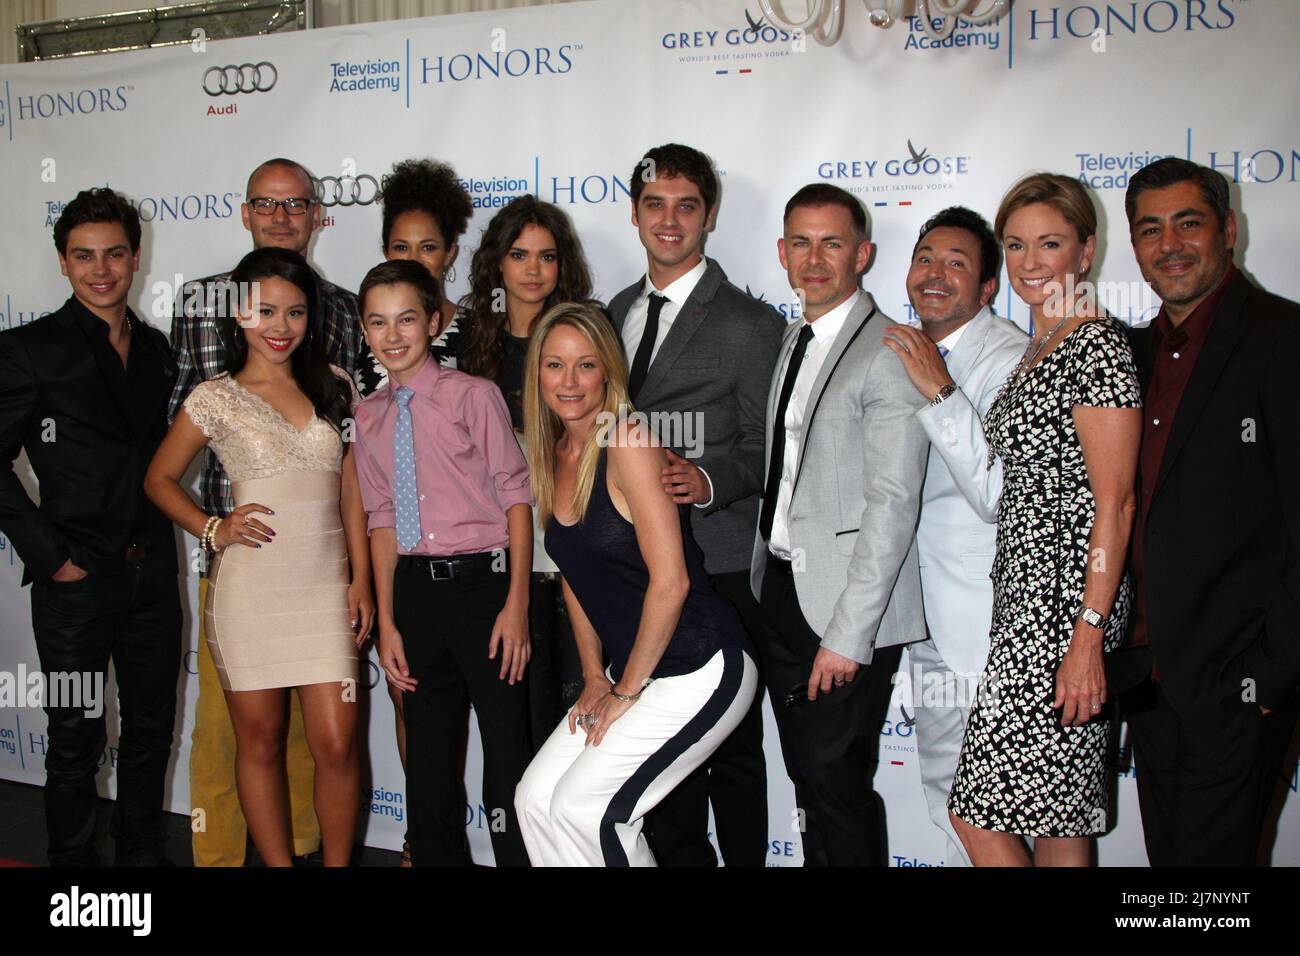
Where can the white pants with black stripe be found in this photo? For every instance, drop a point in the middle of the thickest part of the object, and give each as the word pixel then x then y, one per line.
pixel 583 806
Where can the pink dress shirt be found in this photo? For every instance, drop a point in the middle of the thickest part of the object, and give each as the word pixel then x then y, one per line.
pixel 468 468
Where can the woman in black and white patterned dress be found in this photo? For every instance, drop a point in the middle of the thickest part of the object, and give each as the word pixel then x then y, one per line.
pixel 1067 427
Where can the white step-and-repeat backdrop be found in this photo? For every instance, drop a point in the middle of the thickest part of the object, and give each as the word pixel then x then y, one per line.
pixel 562 101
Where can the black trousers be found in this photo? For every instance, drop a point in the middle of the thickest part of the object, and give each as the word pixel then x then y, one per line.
pixel 734 778
pixel 554 677
pixel 446 626
pixel 133 618
pixel 831 746
pixel 1199 775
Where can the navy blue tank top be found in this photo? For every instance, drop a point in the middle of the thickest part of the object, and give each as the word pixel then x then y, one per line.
pixel 602 563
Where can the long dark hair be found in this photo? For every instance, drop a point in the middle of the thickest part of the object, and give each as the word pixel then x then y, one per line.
pixel 330 396
pixel 483 352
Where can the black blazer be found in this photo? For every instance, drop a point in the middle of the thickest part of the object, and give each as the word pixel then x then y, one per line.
pixel 91 474
pixel 717 359
pixel 1222 537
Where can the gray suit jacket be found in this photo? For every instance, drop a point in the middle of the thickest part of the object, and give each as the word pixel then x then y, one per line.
pixel 857 494
pixel 716 361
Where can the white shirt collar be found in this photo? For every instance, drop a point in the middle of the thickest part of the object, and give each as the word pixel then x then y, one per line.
pixel 680 289
pixel 828 326
pixel 950 341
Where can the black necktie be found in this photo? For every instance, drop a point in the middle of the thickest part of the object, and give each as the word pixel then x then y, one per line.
pixel 777 462
pixel 641 363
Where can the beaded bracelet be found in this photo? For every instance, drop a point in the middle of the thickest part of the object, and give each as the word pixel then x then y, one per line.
pixel 208 538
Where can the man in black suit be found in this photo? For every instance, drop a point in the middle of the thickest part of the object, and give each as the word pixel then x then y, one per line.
pixel 84 391
pixel 702 351
pixel 1218 534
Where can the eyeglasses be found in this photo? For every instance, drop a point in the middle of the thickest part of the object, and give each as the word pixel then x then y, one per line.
pixel 294 207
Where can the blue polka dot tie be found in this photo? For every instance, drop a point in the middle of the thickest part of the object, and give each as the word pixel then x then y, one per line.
pixel 405 499
pixel 943 353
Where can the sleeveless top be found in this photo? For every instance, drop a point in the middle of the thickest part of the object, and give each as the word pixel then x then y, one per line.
pixel 600 559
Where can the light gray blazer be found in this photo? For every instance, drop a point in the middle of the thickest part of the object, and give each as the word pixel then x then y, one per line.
pixel 857 493
pixel 959 506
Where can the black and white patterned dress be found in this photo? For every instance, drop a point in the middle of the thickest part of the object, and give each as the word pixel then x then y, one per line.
pixel 1020 771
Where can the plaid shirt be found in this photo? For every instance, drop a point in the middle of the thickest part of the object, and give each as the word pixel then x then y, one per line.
pixel 201 355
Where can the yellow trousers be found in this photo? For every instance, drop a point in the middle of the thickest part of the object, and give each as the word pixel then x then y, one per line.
pixel 219 831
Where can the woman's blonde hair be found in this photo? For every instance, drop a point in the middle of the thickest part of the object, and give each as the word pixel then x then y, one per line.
pixel 1065 194
pixel 543 428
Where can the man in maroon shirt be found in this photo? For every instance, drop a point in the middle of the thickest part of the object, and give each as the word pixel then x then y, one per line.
pixel 1218 527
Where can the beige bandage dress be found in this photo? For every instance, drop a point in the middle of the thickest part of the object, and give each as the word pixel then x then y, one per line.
pixel 277 616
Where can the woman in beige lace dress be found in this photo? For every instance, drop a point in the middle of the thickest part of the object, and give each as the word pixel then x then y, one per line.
pixel 290 585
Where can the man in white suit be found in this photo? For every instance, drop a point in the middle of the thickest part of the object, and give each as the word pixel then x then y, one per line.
pixel 958 361
pixel 835 562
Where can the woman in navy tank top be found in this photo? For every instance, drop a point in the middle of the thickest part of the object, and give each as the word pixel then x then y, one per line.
pixel 680 674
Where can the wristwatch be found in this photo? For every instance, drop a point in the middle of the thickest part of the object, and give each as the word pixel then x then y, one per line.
pixel 1092 618
pixel 943 394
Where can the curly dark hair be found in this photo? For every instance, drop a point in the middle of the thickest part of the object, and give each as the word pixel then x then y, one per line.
pixel 97 205
pixel 424 185
pixel 483 352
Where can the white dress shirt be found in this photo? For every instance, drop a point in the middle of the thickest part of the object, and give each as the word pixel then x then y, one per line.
pixel 676 292
pixel 824 331
pixel 949 341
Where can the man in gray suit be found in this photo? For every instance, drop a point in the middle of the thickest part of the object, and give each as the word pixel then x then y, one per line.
pixel 702 351
pixel 834 562
pixel 958 361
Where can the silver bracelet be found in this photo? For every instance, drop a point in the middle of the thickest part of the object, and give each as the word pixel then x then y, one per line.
pixel 630 698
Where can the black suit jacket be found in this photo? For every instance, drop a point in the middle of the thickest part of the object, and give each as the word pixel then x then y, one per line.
pixel 88 453
pixel 717 360
pixel 1222 536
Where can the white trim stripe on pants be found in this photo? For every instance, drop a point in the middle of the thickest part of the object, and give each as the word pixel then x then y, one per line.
pixel 584 806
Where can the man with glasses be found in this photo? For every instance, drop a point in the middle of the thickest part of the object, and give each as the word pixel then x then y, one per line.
pixel 281 209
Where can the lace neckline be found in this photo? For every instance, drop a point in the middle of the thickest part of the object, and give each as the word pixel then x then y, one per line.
pixel 272 409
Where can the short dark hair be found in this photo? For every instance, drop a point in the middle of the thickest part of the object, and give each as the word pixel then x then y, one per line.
pixel 423 185
pixel 674 159
pixel 824 194
pixel 404 272
pixel 1169 172
pixel 97 205
pixel 285 163
pixel 959 217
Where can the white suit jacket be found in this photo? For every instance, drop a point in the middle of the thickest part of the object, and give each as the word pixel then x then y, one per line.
pixel 959 503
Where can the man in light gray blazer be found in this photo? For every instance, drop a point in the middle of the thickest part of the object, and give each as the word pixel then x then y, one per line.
pixel 958 361
pixel 702 351
pixel 834 562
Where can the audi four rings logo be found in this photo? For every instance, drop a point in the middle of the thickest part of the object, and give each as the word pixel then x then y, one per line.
pixel 244 78
pixel 347 190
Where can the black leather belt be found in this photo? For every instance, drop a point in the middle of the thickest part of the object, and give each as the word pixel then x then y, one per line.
pixel 459 566
pixel 777 565
pixel 138 552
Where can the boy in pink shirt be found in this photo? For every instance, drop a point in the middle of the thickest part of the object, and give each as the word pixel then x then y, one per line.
pixel 446 493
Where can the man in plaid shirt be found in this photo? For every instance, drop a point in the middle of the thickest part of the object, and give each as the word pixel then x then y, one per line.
pixel 281 209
